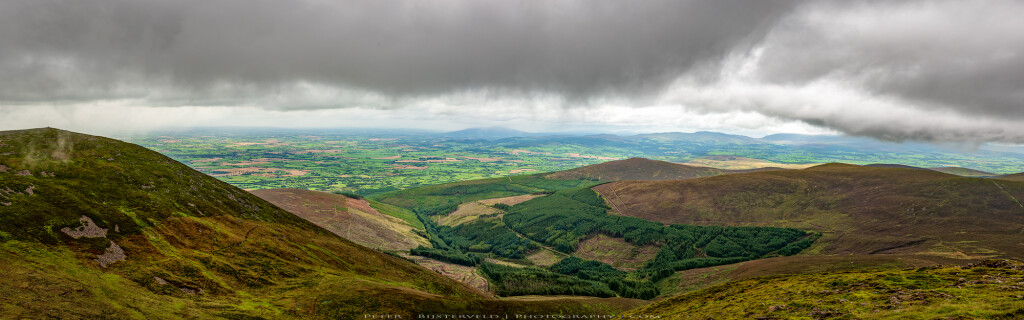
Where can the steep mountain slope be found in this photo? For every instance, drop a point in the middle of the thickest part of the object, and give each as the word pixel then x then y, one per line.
pixel 96 228
pixel 861 210
pixel 352 219
pixel 636 169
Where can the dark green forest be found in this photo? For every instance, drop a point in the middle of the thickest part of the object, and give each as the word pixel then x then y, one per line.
pixel 564 218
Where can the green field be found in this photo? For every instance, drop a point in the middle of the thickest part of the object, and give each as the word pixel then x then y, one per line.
pixel 365 164
pixel 369 162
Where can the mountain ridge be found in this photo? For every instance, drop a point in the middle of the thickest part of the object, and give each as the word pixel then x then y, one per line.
pixel 488 132
pixel 636 169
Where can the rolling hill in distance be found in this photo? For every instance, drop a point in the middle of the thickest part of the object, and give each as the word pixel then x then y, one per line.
pixel 376 161
pixel 637 169
pixel 487 133
pixel 1013 177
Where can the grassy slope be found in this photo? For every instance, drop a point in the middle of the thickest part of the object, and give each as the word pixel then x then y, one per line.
pixel 990 290
pixel 444 198
pixel 694 279
pixel 466 213
pixel 397 212
pixel 616 252
pixel 741 163
pixel 472 211
pixel 194 246
pixel 861 210
pixel 352 219
pixel 1013 177
pixel 964 172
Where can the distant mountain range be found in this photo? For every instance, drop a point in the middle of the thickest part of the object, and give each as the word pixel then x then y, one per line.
pixel 488 133
pixel 718 137
pixel 780 148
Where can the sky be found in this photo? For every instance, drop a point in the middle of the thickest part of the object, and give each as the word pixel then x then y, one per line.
pixel 920 70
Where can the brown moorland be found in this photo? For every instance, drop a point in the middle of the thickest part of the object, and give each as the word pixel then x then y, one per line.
pixel 742 163
pixel 1013 177
pixel 860 210
pixel 636 169
pixel 352 219
pixel 964 172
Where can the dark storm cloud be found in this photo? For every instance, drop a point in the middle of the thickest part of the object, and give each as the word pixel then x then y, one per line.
pixel 961 55
pixel 937 70
pixel 82 49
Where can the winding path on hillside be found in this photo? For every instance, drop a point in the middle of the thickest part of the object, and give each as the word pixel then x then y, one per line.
pixel 1007 193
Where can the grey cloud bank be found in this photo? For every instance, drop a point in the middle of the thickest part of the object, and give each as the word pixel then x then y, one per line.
pixel 920 70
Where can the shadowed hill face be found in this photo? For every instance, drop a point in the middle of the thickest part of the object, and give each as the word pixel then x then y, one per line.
pixel 637 169
pixel 103 228
pixel 859 209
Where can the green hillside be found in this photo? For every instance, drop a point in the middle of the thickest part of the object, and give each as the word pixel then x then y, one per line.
pixel 987 290
pixel 96 228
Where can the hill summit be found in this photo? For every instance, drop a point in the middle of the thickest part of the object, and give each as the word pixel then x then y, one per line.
pixel 637 169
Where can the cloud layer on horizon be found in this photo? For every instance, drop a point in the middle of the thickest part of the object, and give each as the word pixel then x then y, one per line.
pixel 931 70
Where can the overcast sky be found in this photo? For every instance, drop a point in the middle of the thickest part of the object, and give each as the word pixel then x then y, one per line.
pixel 894 70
